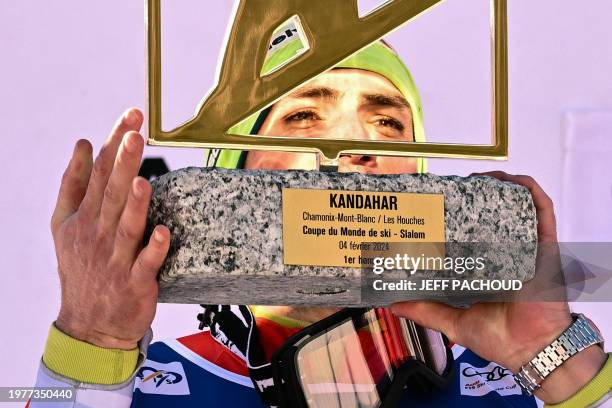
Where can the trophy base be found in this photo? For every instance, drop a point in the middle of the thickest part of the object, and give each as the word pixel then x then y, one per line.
pixel 262 290
pixel 227 234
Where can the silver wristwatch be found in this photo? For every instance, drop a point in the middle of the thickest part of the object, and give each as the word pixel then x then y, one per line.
pixel 580 335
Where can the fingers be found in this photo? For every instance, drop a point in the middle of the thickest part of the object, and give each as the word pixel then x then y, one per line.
pixel 437 316
pixel 103 166
pixel 124 170
pixel 152 256
pixel 547 224
pixel 74 184
pixel 133 221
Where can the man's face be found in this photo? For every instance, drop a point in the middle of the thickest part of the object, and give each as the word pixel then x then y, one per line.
pixel 340 104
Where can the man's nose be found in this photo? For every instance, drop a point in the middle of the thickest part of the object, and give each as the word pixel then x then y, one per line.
pixel 351 128
pixel 357 160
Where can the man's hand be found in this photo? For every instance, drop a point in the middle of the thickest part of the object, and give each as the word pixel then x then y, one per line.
pixel 512 333
pixel 108 280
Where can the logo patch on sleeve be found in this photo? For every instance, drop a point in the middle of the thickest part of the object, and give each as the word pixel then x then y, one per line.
pixel 159 378
pixel 478 381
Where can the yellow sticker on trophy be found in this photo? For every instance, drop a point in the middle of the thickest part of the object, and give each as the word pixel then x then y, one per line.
pixel 336 227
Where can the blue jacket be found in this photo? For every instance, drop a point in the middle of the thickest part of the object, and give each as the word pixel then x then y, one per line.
pixel 196 371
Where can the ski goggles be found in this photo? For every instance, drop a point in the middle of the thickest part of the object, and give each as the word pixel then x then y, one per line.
pixel 360 358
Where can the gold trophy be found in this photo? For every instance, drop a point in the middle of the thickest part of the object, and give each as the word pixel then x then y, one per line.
pixel 307 236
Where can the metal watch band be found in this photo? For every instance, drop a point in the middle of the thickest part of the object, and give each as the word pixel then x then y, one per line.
pixel 580 335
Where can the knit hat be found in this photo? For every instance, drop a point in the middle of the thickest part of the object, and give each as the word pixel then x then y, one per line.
pixel 377 57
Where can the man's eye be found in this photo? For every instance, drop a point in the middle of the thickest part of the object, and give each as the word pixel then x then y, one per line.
pixel 392 123
pixel 302 116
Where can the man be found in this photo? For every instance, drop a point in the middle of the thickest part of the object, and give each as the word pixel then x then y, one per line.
pixel 109 288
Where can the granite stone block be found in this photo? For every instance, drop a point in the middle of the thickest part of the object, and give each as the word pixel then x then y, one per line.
pixel 227 244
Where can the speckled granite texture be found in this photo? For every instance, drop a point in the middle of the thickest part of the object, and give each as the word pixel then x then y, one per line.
pixel 227 242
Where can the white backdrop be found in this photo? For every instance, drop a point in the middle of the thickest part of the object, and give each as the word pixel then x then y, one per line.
pixel 69 68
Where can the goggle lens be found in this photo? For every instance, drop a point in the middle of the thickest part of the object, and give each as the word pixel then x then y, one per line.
pixel 353 363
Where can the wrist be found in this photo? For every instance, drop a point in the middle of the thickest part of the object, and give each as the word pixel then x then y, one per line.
pixel 549 330
pixel 566 365
pixel 87 363
pixel 86 333
pixel 572 375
